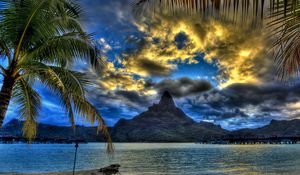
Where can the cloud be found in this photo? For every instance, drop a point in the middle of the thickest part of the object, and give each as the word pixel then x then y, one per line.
pixel 102 12
pixel 140 92
pixel 252 104
pixel 104 46
pixel 165 43
pixel 272 94
pixel 162 42
pixel 116 81
pixel 145 67
pixel 142 55
pixel 183 87
pixel 239 53
pixel 134 98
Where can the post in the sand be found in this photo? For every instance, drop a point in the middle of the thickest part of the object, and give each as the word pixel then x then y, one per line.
pixel 74 166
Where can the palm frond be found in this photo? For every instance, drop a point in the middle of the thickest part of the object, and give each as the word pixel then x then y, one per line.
pixel 68 86
pixel 235 10
pixel 5 51
pixel 25 25
pixel 86 109
pixel 29 103
pixel 63 50
pixel 236 7
pixel 66 23
pixel 60 81
pixel 73 83
pixel 288 51
pixel 40 33
pixel 285 25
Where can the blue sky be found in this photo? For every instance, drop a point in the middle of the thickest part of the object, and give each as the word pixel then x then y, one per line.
pixel 215 73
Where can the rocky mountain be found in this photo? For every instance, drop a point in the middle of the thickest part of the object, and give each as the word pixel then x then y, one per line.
pixel 164 122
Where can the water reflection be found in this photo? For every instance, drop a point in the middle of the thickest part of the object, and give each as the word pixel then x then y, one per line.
pixel 160 159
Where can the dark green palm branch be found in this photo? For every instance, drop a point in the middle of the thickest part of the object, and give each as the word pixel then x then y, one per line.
pixel 255 8
pixel 281 16
pixel 230 9
pixel 39 40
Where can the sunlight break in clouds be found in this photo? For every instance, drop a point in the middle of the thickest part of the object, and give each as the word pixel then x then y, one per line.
pixel 239 53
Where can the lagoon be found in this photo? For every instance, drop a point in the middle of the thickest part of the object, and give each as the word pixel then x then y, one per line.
pixel 153 158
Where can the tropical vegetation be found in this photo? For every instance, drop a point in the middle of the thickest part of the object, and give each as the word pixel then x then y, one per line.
pixel 40 40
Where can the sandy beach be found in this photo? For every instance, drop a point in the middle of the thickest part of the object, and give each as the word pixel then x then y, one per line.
pixel 92 172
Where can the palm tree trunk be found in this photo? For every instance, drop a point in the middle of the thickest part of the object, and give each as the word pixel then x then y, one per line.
pixel 5 96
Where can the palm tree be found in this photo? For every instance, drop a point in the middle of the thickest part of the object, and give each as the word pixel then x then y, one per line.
pixel 282 16
pixel 39 41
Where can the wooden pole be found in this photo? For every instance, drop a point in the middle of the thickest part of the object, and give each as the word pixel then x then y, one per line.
pixel 74 166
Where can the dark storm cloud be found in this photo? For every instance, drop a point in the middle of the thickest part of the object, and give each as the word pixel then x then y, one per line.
pixel 137 99
pixel 153 68
pixel 183 87
pixel 220 115
pixel 115 105
pixel 247 103
pixel 119 98
pixel 272 94
pixel 133 97
pixel 242 95
pixel 210 112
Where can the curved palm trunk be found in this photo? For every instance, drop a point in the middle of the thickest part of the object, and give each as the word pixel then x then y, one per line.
pixel 5 96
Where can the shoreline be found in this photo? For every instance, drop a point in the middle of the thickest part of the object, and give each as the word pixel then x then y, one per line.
pixel 261 142
pixel 88 172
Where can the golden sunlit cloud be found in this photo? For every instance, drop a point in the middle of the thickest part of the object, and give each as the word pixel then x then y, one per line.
pixel 245 53
pixel 113 78
pixel 294 106
pixel 240 53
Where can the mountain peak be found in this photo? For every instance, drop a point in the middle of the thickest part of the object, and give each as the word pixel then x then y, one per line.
pixel 167 100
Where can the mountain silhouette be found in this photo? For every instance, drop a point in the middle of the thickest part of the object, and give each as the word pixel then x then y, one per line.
pixel 164 122
pixel 166 102
pixel 51 132
pixel 276 128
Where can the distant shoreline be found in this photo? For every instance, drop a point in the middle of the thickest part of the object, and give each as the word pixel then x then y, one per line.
pixel 287 142
pixel 90 172
pixel 277 132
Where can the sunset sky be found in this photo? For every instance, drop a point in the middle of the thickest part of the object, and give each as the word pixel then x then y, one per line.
pixel 216 72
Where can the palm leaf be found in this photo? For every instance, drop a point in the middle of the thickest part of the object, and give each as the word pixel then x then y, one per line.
pixel 238 7
pixel 84 108
pixel 59 82
pixel 68 86
pixel 29 103
pixel 229 9
pixel 41 39
pixel 44 22
pixel 71 45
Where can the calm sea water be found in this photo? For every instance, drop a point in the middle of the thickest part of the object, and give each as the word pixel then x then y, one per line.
pixel 155 159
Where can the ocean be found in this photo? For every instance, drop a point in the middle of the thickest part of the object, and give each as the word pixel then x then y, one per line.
pixel 153 158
